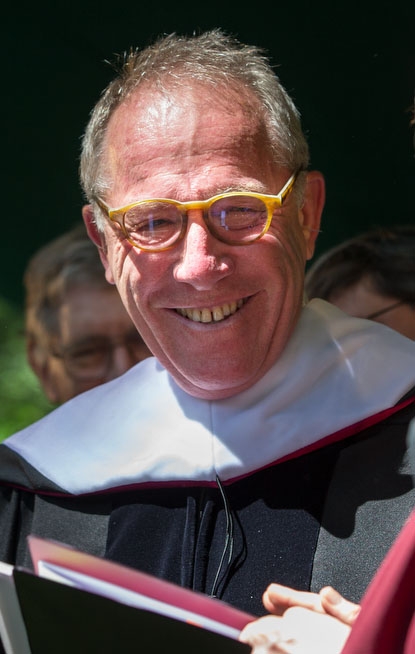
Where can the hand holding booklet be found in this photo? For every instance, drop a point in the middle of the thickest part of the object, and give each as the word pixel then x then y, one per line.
pixel 76 602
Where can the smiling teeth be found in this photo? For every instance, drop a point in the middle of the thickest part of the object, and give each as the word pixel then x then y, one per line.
pixel 211 315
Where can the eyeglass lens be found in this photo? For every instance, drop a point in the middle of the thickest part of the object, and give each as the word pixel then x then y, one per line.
pixel 379 313
pixel 91 360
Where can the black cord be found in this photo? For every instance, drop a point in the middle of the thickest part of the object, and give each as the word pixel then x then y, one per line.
pixel 229 539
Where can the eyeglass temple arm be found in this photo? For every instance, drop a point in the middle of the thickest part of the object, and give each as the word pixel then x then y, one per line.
pixel 102 205
pixel 286 189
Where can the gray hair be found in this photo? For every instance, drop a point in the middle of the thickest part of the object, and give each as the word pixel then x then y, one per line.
pixel 210 58
pixel 68 261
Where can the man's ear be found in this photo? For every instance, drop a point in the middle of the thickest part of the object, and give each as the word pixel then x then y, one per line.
pixel 98 238
pixel 312 209
pixel 38 360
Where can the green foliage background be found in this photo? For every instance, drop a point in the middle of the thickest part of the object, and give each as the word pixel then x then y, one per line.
pixel 21 399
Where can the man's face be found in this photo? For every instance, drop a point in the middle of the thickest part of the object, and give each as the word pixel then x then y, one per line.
pixel 97 342
pixel 190 148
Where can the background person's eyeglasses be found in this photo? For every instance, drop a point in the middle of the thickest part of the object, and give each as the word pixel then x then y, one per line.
pixel 91 361
pixel 233 218
pixel 379 313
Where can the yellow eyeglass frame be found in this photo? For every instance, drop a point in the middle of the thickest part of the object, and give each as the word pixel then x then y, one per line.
pixel 117 215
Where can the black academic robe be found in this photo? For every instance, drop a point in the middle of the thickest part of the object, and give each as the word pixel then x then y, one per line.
pixel 301 479
pixel 326 516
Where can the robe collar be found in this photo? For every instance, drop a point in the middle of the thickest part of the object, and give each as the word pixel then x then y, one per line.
pixel 141 428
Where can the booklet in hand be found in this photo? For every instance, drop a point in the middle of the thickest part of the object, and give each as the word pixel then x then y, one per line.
pixel 76 602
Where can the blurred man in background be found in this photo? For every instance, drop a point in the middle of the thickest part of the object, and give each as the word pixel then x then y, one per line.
pixel 78 333
pixel 370 276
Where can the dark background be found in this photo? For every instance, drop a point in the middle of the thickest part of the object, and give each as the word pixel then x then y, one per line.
pixel 350 66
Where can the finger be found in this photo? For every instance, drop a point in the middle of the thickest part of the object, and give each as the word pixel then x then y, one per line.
pixel 339 607
pixel 278 598
pixel 314 633
pixel 263 635
pixel 299 631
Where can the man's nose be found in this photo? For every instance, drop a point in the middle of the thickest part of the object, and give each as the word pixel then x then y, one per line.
pixel 202 259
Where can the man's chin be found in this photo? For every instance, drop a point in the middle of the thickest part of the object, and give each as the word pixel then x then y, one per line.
pixel 206 387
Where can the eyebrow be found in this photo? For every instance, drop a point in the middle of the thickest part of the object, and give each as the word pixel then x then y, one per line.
pixel 86 342
pixel 210 193
pixel 258 188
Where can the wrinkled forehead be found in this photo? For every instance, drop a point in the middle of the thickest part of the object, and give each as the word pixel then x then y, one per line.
pixel 152 100
pixel 155 125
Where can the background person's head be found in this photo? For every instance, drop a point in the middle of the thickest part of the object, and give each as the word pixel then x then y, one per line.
pixel 78 334
pixel 187 119
pixel 370 276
